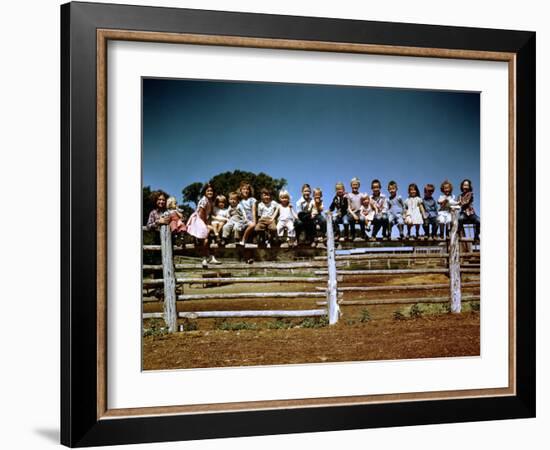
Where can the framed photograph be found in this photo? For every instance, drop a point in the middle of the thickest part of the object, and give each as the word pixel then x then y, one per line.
pixel 277 224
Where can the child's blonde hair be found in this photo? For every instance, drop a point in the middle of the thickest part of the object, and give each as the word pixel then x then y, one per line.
pixel 339 185
pixel 219 199
pixel 284 194
pixel 355 180
pixel 234 194
pixel 171 203
pixel 246 183
pixel 317 191
pixel 446 182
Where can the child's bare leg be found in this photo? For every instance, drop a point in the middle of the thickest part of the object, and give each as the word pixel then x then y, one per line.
pixel 247 232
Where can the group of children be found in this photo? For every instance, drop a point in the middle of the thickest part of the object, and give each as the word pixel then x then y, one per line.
pixel 218 220
pixel 376 212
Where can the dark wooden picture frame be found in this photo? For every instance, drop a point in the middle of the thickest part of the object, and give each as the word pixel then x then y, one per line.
pixel 86 419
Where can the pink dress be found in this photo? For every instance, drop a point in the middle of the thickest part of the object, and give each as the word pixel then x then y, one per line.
pixel 195 225
pixel 176 224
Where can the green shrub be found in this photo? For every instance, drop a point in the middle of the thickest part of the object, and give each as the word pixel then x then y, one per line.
pixel 235 326
pixel 314 322
pixel 156 328
pixel 365 315
pixel 279 324
pixel 415 311
pixel 398 315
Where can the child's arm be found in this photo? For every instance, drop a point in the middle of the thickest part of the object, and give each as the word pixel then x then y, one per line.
pixel 293 212
pixel 254 218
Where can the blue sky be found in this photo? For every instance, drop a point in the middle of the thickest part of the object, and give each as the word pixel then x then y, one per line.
pixel 316 134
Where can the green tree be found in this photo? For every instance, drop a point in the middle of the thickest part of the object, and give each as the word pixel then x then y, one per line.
pixel 192 192
pixel 146 206
pixel 226 182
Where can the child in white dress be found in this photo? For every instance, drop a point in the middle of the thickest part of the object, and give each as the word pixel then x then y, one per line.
pixel 220 216
pixel 367 211
pixel 287 217
pixel 414 211
pixel 446 202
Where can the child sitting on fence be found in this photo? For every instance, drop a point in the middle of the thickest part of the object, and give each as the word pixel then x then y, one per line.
pixel 318 219
pixel 414 211
pixel 248 202
pixel 339 210
pixel 446 202
pixel 220 216
pixel 237 220
pixel 197 223
pixel 380 221
pixel 430 212
pixel 157 216
pixel 354 205
pixel 303 207
pixel 287 218
pixel 467 213
pixel 396 206
pixel 367 211
pixel 266 227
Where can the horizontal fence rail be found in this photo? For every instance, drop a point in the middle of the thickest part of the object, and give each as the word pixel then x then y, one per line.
pixel 334 269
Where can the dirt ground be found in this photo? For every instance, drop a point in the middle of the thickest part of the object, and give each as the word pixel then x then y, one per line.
pixel 363 333
pixel 430 337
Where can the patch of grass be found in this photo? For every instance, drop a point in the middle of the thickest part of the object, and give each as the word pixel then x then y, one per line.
pixel 415 312
pixel 156 328
pixel 365 315
pixel 235 326
pixel 398 315
pixel 279 324
pixel 187 325
pixel 314 322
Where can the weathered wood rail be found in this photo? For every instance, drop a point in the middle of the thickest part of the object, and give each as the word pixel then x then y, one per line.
pixel 169 281
pixel 333 270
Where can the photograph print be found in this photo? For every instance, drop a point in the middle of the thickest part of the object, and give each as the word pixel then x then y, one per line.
pixel 306 223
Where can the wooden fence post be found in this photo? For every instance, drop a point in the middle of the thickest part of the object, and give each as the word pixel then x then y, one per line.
pixel 454 263
pixel 332 294
pixel 170 314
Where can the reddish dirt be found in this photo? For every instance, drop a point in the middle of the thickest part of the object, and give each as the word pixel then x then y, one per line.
pixel 385 338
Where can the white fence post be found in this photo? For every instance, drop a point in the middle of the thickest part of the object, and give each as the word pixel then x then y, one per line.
pixel 170 314
pixel 454 263
pixel 332 291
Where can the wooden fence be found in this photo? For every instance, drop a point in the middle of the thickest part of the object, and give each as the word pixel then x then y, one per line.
pixel 331 269
pixel 169 282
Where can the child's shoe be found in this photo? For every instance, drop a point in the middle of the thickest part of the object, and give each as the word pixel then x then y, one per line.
pixel 213 260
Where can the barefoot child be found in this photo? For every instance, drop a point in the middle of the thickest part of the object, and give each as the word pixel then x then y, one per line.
pixel 414 211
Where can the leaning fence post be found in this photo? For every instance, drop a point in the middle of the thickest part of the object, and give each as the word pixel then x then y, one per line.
pixel 332 294
pixel 454 263
pixel 170 314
